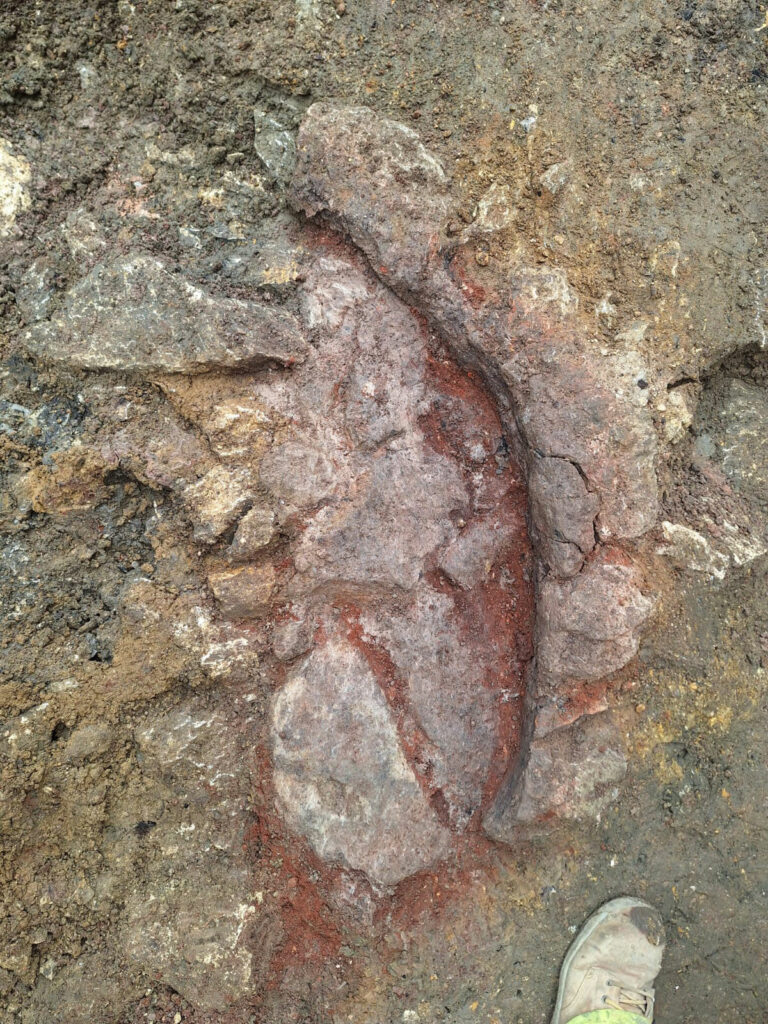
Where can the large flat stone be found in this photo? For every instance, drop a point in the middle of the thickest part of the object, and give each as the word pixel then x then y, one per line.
pixel 134 314
pixel 341 777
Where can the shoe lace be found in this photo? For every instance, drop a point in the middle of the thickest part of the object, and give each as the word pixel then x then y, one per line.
pixel 636 1000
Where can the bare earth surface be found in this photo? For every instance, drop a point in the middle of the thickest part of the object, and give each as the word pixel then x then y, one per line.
pixel 384 507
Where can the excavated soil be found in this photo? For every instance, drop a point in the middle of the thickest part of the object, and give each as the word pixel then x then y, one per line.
pixel 623 143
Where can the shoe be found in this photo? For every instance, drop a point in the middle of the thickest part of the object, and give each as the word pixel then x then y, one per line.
pixel 613 962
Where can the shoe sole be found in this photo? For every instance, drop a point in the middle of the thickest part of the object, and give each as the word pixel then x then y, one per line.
pixel 607 910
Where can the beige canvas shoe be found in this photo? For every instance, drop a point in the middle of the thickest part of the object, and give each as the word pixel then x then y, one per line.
pixel 613 962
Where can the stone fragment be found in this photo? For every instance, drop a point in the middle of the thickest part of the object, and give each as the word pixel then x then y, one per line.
pixel 589 626
pixel 571 773
pixel 190 936
pixel 468 559
pixel 134 314
pixel 340 774
pixel 291 638
pixel 243 593
pixel 274 145
pixel 376 178
pixel 15 174
pixel 189 920
pixel 73 482
pixel 562 514
pixel 216 500
pixel 403 516
pixel 689 549
pixel 254 532
pixel 87 741
pixel 571 407
pixel 677 411
pixel 446 693
pixel 352 170
pixel 740 435
pixel 146 441
pixel 299 473
pixel 233 659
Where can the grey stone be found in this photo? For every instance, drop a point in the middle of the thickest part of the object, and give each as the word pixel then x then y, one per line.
pixel 87 741
pixel 740 436
pixel 589 626
pixel 243 593
pixel 216 500
pixel 254 532
pixel 468 559
pixel 134 314
pixel 352 160
pixel 571 773
pixel 274 145
pixel 189 932
pixel 562 513
pixel 404 515
pixel 340 774
pixel 446 694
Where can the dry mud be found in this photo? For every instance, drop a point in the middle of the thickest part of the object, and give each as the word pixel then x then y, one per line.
pixel 383 409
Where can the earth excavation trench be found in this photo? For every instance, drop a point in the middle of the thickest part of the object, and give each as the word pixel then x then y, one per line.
pixel 341 566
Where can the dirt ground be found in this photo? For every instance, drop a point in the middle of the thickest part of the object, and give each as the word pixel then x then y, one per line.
pixel 626 141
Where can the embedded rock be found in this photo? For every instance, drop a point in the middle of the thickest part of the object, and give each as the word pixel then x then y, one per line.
pixel 563 513
pixel 591 623
pixel 134 314
pixel 254 532
pixel 444 681
pixel 243 593
pixel 739 439
pixel 368 544
pixel 190 934
pixel 340 773
pixel 15 174
pixel 468 559
pixel 571 407
pixel 371 177
pixel 189 921
pixel 217 500
pixel 570 773
pixel 374 177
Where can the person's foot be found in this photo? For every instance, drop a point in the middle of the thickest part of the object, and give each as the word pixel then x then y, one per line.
pixel 613 962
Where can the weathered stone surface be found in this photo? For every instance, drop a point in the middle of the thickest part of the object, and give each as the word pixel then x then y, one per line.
pixel 217 500
pixel 563 513
pixel 15 174
pixel 88 741
pixel 351 160
pixel 573 406
pixel 688 549
pixel 188 921
pixel 392 471
pixel 243 593
pixel 571 773
pixel 368 545
pixel 340 773
pixel 191 937
pixel 274 145
pixel 447 695
pixel 591 623
pixel 292 637
pixel 134 314
pixel 300 474
pixel 468 559
pixel 740 438
pixel 254 532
